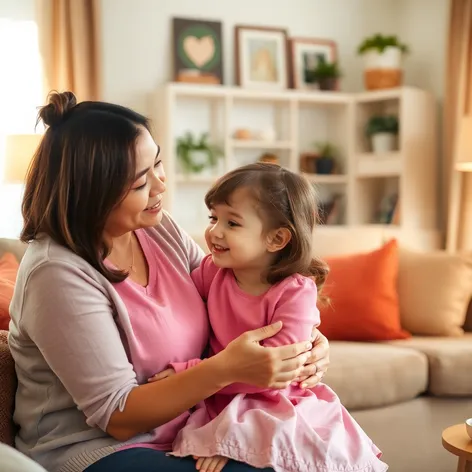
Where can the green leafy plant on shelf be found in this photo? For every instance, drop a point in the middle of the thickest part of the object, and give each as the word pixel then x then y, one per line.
pixel 197 153
pixel 382 124
pixel 325 74
pixel 380 42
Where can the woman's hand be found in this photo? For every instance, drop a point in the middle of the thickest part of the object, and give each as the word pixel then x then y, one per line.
pixel 317 364
pixel 245 360
pixel 162 375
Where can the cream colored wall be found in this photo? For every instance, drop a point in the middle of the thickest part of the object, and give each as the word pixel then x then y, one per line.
pixel 136 35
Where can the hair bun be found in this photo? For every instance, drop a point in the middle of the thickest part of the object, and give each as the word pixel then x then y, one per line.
pixel 59 105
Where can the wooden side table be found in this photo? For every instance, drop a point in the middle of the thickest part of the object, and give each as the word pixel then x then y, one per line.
pixel 456 440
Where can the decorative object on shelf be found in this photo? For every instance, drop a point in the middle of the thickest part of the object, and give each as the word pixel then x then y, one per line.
pixel 388 212
pixel 305 55
pixel 198 51
pixel 197 154
pixel 266 134
pixel 382 61
pixel 269 158
pixel 308 162
pixel 242 133
pixel 325 75
pixel 261 57
pixel 382 131
pixel 325 162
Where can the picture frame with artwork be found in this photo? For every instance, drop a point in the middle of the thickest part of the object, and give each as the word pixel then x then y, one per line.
pixel 305 54
pixel 261 57
pixel 197 51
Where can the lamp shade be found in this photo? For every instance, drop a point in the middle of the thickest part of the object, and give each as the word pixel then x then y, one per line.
pixel 19 150
pixel 464 145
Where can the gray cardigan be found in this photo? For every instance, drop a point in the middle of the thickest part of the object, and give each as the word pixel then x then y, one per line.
pixel 72 367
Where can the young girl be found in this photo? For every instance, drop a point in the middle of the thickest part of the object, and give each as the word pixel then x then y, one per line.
pixel 261 270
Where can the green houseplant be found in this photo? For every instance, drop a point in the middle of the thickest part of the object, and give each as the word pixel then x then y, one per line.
pixel 325 74
pixel 325 161
pixel 380 43
pixel 196 153
pixel 383 56
pixel 382 131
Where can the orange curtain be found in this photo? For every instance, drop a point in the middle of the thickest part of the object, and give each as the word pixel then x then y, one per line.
pixel 457 104
pixel 69 42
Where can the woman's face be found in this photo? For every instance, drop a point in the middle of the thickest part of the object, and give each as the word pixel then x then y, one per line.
pixel 142 206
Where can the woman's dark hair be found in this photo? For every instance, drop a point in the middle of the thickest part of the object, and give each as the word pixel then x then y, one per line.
pixel 81 170
pixel 284 200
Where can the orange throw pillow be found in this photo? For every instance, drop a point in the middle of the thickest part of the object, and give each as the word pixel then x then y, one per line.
pixel 363 296
pixel 8 272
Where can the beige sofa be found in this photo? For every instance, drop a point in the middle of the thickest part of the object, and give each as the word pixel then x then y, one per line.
pixel 403 393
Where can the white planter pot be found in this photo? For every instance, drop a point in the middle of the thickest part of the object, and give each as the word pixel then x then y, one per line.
pixel 390 58
pixel 383 142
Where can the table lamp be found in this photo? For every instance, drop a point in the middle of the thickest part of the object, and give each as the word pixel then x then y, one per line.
pixel 464 145
pixel 19 150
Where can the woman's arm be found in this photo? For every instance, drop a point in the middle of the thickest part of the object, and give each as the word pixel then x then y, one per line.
pixel 69 317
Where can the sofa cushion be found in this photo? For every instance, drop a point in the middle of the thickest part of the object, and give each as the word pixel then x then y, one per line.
pixel 450 362
pixel 364 302
pixel 8 272
pixel 368 375
pixel 448 277
pixel 7 390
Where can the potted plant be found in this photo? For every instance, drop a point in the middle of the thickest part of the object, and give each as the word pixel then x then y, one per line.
pixel 325 74
pixel 382 131
pixel 325 161
pixel 382 61
pixel 196 154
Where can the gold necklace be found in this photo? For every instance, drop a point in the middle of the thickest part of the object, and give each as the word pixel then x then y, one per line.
pixel 131 267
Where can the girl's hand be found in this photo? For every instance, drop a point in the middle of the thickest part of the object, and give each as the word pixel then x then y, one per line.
pixel 245 360
pixel 162 375
pixel 317 364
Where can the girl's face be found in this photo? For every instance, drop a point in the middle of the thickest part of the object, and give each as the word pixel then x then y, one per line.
pixel 142 206
pixel 236 236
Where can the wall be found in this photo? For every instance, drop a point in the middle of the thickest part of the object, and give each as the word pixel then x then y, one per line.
pixel 137 35
pixel 423 26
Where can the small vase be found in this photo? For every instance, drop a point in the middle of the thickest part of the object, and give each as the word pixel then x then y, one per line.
pixel 383 142
pixel 383 70
pixel 324 165
pixel 199 161
pixel 327 84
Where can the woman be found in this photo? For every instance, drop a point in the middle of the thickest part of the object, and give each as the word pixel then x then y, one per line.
pixel 104 300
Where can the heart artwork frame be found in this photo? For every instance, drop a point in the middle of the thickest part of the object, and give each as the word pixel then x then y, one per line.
pixel 197 51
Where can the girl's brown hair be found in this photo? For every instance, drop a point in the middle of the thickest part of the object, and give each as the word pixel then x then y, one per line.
pixel 81 170
pixel 284 200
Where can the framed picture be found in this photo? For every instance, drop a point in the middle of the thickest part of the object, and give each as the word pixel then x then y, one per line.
pixel 261 57
pixel 197 51
pixel 305 53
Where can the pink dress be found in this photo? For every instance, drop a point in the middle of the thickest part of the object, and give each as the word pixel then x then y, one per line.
pixel 291 430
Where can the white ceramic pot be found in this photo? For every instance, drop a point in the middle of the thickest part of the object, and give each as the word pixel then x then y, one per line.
pixel 390 58
pixel 383 142
pixel 383 70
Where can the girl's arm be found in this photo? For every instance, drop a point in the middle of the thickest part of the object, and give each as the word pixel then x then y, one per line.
pixel 68 316
pixel 296 309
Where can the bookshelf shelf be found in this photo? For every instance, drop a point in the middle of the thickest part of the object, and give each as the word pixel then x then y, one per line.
pixel 326 179
pixel 364 183
pixel 379 165
pixel 254 144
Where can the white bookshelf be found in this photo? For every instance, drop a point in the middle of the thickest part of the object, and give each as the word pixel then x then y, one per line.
pixel 300 119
